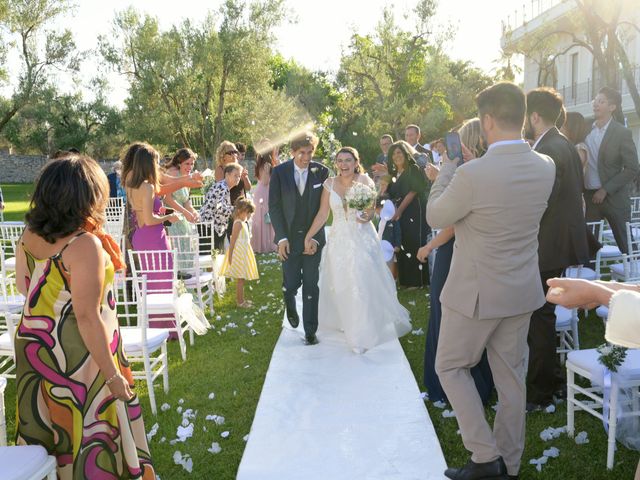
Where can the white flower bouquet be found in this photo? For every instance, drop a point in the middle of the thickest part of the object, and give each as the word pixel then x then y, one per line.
pixel 360 197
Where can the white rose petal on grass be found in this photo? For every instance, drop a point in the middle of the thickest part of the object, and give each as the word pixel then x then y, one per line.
pixel 181 401
pixel 212 396
pixel 418 332
pixel 179 409
pixel 244 350
pixel 184 460
pixel 152 432
pixel 439 404
pixel 538 462
pixel 225 434
pixel 249 324
pixel 581 438
pixel 412 303
pixel 550 409
pixel 448 414
pixel 424 396
pixel 164 407
pixel 215 448
pixel 551 433
pixel 552 452
pixel 495 407
pixel 185 432
pixel 246 438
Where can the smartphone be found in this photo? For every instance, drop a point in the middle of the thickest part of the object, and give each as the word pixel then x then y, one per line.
pixel 454 147
pixel 167 211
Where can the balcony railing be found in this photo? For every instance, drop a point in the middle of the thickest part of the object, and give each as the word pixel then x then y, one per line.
pixel 580 93
pixel 530 9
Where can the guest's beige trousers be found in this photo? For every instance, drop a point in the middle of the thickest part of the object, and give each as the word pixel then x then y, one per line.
pixel 460 346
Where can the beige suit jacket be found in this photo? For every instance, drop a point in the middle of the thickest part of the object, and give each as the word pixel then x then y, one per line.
pixel 495 204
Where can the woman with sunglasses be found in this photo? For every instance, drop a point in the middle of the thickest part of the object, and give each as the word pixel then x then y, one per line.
pixel 228 153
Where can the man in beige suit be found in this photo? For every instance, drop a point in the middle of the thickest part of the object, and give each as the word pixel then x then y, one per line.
pixel 495 204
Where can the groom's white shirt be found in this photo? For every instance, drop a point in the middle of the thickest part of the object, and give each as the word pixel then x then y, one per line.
pixel 299 173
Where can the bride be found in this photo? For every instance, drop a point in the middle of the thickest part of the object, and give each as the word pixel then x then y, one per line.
pixel 357 290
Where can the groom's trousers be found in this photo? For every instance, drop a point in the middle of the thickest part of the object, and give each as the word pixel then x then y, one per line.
pixel 299 269
pixel 460 345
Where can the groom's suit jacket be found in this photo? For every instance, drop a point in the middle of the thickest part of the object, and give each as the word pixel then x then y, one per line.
pixel 495 204
pixel 283 195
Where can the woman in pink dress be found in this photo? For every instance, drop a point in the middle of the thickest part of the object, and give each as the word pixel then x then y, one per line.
pixel 261 231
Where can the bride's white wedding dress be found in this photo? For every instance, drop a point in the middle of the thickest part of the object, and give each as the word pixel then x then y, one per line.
pixel 357 290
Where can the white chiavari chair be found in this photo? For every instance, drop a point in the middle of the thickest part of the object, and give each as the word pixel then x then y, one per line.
pixel 160 270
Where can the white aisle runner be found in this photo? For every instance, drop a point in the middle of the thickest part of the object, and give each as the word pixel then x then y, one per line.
pixel 328 413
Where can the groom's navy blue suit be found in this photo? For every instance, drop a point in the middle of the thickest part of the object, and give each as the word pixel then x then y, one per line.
pixel 291 216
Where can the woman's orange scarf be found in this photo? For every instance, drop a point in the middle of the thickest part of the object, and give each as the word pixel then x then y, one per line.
pixel 108 243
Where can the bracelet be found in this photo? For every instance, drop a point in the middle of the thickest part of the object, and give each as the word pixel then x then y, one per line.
pixel 110 381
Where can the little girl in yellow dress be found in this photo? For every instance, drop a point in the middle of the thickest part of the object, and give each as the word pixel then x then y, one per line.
pixel 239 261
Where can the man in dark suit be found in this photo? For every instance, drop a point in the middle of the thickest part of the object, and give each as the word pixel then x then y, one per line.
pixel 612 165
pixel 295 190
pixel 562 239
pixel 412 137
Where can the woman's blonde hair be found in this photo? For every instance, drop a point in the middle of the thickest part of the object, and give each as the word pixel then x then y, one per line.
pixel 225 146
pixel 471 136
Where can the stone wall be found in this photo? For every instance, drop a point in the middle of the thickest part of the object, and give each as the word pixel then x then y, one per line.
pixel 25 168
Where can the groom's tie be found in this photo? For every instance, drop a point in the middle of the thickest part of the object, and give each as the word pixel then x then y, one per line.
pixel 301 180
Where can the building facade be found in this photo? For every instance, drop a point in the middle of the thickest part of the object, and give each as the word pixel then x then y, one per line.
pixel 567 67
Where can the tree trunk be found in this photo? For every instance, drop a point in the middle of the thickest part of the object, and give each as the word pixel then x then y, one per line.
pixel 628 74
pixel 217 124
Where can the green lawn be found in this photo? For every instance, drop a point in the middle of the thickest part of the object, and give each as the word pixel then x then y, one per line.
pixel 217 364
pixel 16 199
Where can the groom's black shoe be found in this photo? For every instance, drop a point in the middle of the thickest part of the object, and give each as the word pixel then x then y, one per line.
pixel 495 470
pixel 311 339
pixel 293 317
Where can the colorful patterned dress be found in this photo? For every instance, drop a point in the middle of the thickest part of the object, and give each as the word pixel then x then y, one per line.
pixel 243 264
pixel 63 402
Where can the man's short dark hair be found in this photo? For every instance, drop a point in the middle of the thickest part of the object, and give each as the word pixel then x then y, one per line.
pixel 546 102
pixel 415 127
pixel 241 147
pixel 613 96
pixel 505 102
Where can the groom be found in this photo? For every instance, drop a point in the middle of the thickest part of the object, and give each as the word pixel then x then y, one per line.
pixel 295 190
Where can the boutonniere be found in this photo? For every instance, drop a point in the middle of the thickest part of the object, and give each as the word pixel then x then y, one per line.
pixel 314 169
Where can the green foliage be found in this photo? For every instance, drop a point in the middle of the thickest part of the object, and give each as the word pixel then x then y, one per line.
pixel 197 84
pixel 54 121
pixel 41 51
pixel 395 77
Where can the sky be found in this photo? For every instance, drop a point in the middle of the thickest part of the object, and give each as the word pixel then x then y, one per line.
pixel 322 30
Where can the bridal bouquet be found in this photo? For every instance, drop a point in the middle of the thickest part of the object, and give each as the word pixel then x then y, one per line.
pixel 360 197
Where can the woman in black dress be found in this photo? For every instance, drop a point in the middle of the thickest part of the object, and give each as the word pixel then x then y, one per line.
pixel 407 188
pixel 443 242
